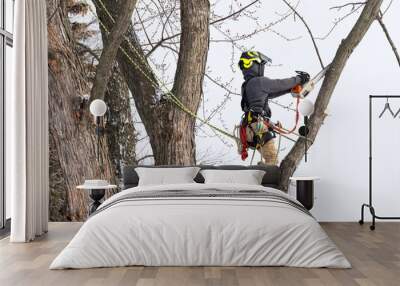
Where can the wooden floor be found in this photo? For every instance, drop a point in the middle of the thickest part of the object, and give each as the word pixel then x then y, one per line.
pixel 375 257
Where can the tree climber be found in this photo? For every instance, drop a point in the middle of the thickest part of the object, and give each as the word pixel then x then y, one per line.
pixel 256 92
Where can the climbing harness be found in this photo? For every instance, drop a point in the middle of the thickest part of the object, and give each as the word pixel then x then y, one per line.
pixel 175 100
pixel 264 130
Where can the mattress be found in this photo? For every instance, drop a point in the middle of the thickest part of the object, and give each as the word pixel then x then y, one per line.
pixel 201 225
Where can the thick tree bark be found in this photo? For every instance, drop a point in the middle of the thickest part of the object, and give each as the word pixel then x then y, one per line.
pixel 171 131
pixel 121 135
pixel 368 15
pixel 188 82
pixel 73 138
pixel 58 199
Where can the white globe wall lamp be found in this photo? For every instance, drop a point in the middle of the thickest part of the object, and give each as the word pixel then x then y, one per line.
pixel 306 108
pixel 98 109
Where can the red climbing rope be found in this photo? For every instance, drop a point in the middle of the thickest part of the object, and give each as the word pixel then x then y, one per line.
pixel 243 140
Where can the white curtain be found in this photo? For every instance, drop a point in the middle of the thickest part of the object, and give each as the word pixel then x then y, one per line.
pixel 27 123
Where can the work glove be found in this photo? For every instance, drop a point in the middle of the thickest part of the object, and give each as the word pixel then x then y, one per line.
pixel 304 77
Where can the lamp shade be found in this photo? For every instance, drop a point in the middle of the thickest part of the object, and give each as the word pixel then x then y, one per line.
pixel 98 107
pixel 306 107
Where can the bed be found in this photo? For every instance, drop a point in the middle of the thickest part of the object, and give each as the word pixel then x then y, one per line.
pixel 201 224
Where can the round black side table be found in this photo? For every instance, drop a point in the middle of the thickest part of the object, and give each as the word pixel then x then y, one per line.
pixel 305 190
pixel 96 193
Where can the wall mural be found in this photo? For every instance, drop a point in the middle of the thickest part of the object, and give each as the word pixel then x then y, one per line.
pixel 148 61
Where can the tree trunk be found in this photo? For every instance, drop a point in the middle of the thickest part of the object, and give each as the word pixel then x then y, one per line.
pixel 368 15
pixel 121 135
pixel 73 137
pixel 170 130
pixel 58 203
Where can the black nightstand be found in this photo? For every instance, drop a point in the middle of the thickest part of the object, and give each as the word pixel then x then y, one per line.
pixel 96 193
pixel 305 190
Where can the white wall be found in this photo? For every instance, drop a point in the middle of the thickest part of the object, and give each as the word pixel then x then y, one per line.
pixel 340 153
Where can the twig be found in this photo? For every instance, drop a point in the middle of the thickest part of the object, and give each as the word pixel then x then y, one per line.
pixel 387 8
pixel 336 23
pixel 211 23
pixel 160 43
pixel 237 38
pixel 348 4
pixel 234 13
pixel 309 32
pixel 221 85
pixel 144 29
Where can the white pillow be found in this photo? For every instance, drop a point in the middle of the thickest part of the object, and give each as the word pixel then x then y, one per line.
pixel 166 176
pixel 248 177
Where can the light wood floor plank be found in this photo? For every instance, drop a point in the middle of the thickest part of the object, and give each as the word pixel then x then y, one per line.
pixel 375 257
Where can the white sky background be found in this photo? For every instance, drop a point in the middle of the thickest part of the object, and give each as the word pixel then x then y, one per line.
pixel 371 69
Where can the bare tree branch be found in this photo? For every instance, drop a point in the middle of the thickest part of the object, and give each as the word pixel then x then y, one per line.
pixel 144 29
pixel 337 22
pixel 309 32
pixel 162 40
pixel 388 37
pixel 387 8
pixel 110 49
pixel 267 27
pixel 353 4
pixel 236 13
pixel 144 158
pixel 160 43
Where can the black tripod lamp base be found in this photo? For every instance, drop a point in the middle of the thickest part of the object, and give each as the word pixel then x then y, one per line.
pixel 96 195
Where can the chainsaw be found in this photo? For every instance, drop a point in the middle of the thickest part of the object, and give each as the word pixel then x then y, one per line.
pixel 303 90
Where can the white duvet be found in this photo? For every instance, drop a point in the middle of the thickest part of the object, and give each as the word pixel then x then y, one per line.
pixel 200 231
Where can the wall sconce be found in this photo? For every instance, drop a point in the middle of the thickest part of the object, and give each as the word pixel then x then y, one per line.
pixel 306 108
pixel 98 108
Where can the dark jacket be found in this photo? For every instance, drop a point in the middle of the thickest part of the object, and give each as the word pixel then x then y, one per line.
pixel 257 90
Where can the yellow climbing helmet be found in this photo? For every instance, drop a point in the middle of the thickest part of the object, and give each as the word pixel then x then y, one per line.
pixel 247 59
